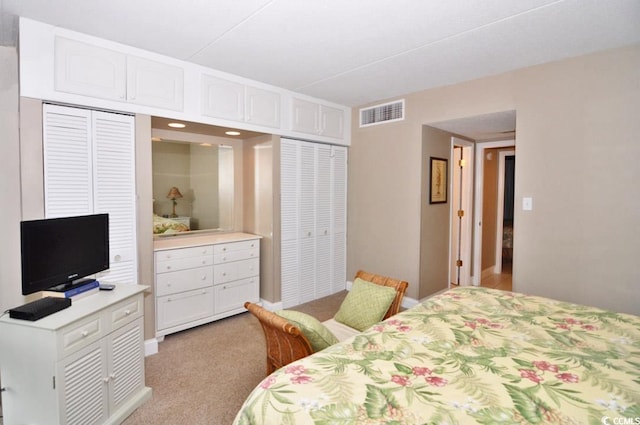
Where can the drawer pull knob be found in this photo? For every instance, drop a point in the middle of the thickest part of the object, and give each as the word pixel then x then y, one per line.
pixel 112 376
pixel 204 277
pixel 84 333
pixel 168 267
pixel 224 258
pixel 127 312
pixel 224 249
pixel 224 274
pixel 105 380
pixel 204 261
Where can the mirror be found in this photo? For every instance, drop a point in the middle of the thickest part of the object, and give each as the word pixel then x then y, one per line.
pixel 193 187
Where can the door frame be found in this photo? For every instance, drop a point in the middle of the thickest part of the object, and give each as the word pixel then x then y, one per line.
pixel 502 155
pixel 466 235
pixel 477 211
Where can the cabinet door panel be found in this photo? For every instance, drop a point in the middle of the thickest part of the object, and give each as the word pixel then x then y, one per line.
pixel 89 70
pixel 222 98
pixel 305 116
pixel 155 84
pixel 332 122
pixel 126 363
pixel 262 107
pixel 82 378
pixel 289 190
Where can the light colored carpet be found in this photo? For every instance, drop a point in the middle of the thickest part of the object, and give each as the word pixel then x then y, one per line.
pixel 202 375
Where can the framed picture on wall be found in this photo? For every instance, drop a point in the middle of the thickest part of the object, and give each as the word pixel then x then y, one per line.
pixel 438 180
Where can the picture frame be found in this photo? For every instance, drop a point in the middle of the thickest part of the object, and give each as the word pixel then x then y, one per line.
pixel 438 180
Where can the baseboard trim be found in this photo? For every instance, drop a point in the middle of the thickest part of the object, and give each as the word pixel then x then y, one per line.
pixel 150 347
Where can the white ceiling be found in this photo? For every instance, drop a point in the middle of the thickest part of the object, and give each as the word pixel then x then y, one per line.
pixel 351 52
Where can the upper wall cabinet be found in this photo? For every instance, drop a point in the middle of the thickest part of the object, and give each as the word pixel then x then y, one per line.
pixel 59 65
pixel 315 118
pixel 234 101
pixel 89 70
pixel 94 71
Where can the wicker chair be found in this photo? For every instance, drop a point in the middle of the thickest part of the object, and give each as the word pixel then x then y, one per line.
pixel 285 342
pixel 399 285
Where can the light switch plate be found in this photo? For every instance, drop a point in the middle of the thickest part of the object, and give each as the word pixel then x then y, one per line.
pixel 527 204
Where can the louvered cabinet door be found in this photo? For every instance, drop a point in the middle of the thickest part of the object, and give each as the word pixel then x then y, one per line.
pixel 68 161
pixel 126 363
pixel 114 190
pixel 83 386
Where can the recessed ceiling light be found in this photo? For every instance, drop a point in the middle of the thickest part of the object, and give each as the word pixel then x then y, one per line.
pixel 205 144
pixel 232 133
pixel 176 125
pixel 156 139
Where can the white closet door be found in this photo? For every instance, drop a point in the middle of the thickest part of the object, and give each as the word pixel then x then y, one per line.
pixel 89 169
pixel 68 158
pixel 307 217
pixel 339 218
pixel 323 276
pixel 289 275
pixel 114 190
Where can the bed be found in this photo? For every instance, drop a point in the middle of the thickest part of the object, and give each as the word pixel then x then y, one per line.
pixel 465 356
pixel 167 226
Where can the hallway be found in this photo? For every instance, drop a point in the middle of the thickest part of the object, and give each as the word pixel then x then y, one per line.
pixel 499 281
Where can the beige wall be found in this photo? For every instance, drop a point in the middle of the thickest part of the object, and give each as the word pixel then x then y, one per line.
pixel 577 140
pixel 10 212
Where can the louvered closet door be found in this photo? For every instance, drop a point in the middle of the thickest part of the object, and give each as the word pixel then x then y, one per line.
pixel 313 220
pixel 68 158
pixel 339 217
pixel 323 205
pixel 89 169
pixel 114 190
pixel 289 196
pixel 307 217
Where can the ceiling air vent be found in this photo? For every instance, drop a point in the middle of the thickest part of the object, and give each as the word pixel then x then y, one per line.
pixel 386 112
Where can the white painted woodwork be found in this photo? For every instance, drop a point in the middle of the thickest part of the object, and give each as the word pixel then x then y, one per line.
pixel 316 118
pixel 205 282
pixel 82 365
pixel 59 65
pixel 89 168
pixel 313 247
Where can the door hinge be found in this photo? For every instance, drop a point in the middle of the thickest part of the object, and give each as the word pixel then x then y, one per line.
pixel 460 213
pixel 54 382
pixel 458 263
pixel 462 163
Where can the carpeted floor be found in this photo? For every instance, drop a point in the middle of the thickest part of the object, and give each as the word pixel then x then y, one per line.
pixel 202 375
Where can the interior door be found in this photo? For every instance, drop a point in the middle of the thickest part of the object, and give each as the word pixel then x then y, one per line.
pixel 461 205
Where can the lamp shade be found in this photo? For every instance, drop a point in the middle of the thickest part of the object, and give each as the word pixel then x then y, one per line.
pixel 174 193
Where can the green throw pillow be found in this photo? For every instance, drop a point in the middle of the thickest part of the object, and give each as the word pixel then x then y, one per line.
pixel 365 305
pixel 318 335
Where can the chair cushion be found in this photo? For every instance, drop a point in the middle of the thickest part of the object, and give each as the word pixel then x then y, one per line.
pixel 365 305
pixel 319 336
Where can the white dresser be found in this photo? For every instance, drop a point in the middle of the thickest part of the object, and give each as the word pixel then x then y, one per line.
pixel 199 279
pixel 81 365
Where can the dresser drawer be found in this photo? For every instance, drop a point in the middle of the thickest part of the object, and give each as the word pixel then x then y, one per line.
pixel 81 334
pixel 244 254
pixel 233 295
pixel 182 308
pixel 228 272
pixel 183 280
pixel 173 254
pixel 236 246
pixel 183 264
pixel 125 312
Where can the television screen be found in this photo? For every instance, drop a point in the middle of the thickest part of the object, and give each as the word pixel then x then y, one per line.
pixel 62 250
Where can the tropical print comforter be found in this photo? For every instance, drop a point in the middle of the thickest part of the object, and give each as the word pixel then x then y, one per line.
pixel 466 356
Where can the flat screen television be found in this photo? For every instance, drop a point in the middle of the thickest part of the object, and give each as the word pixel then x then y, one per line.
pixel 62 251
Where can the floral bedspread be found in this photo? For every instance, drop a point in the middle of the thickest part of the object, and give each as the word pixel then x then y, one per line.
pixel 466 356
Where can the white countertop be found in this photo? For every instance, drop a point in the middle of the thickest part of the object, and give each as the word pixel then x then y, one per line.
pixel 183 241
